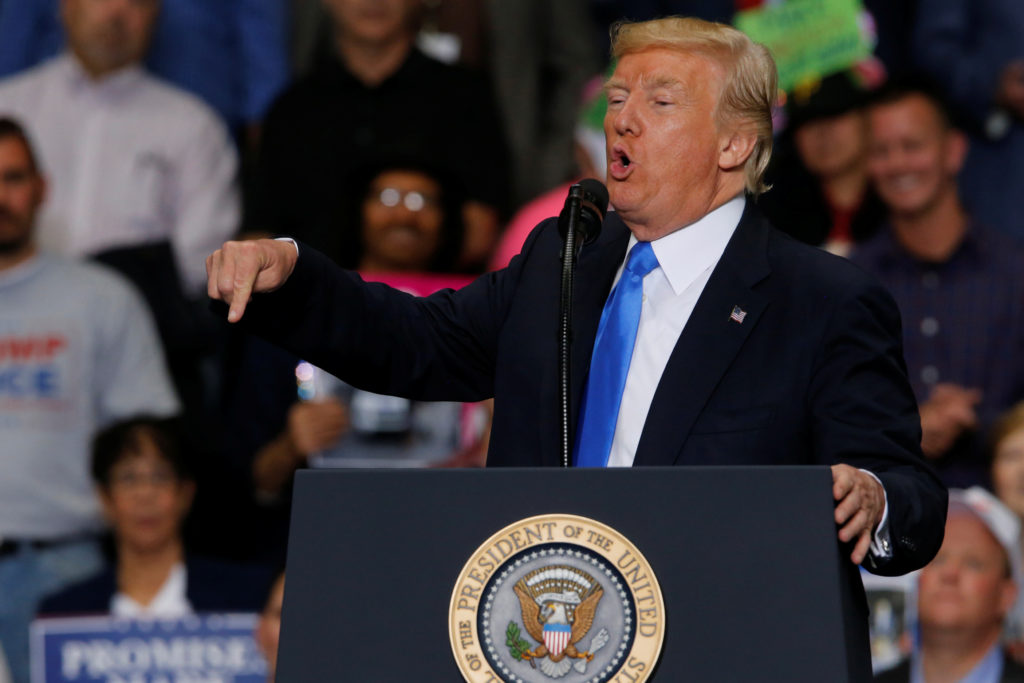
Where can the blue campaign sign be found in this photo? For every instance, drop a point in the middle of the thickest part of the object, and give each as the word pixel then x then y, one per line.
pixel 213 648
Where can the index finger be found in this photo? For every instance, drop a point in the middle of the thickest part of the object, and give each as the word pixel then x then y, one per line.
pixel 242 290
pixel 842 481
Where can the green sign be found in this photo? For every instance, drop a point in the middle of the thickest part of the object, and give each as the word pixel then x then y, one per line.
pixel 808 38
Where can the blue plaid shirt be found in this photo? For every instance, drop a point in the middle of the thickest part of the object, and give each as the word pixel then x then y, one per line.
pixel 963 323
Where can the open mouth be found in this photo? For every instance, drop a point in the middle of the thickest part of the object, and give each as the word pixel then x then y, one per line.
pixel 621 165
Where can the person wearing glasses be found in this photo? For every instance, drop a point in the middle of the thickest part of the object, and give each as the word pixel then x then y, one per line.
pixel 404 220
pixel 146 490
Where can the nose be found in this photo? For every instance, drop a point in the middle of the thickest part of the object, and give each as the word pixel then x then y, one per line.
pixel 949 571
pixel 626 121
pixel 402 213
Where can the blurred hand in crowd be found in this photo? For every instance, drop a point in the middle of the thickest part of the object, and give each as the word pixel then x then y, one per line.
pixel 948 413
pixel 1010 92
pixel 314 426
pixel 238 270
pixel 268 629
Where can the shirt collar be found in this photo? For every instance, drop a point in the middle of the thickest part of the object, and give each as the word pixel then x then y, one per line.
pixel 686 253
pixel 21 272
pixel 118 82
pixel 974 245
pixel 988 670
pixel 334 69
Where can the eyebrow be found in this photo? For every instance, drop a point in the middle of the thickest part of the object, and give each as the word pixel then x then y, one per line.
pixel 646 83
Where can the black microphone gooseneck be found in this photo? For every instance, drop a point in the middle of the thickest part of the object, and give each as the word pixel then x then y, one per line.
pixel 579 224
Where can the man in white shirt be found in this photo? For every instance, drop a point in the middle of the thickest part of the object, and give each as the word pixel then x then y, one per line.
pixel 750 348
pixel 131 160
pixel 78 350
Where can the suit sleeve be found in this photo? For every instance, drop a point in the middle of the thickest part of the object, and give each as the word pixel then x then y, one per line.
pixel 865 415
pixel 441 347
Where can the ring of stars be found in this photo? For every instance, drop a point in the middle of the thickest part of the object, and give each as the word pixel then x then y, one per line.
pixel 556 552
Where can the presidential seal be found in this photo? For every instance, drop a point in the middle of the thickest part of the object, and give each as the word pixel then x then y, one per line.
pixel 557 598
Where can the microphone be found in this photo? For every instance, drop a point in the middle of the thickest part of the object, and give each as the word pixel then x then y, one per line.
pixel 579 223
pixel 588 200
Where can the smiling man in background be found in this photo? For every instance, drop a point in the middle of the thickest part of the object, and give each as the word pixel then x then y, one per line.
pixel 959 285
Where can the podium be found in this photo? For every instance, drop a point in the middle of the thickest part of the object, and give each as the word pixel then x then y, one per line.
pixel 755 584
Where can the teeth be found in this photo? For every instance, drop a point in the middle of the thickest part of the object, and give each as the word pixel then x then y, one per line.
pixel 904 182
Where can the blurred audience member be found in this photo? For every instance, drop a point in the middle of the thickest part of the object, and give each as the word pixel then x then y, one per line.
pixel 146 491
pixel 959 285
pixel 132 161
pixel 77 351
pixel 974 48
pixel 820 189
pixel 588 162
pixel 376 95
pixel 1007 441
pixel 231 54
pixel 268 630
pixel 409 222
pixel 539 70
pixel 607 12
pixel 964 596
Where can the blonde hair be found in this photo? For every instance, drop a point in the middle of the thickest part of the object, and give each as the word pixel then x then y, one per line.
pixel 751 80
pixel 1008 423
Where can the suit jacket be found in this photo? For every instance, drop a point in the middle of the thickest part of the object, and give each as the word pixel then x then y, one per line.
pixel 1012 672
pixel 814 374
pixel 211 586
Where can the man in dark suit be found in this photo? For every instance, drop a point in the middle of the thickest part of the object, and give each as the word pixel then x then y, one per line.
pixel 749 348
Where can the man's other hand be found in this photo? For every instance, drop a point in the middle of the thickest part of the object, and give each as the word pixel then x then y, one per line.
pixel 948 413
pixel 238 270
pixel 861 502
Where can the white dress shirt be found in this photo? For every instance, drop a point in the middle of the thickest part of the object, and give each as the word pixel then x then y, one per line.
pixel 130 160
pixel 686 259
pixel 170 602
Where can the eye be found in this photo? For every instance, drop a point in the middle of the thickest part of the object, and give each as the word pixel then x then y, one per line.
pixel 616 98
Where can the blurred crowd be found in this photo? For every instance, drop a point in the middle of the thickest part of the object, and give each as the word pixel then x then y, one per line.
pixel 147 450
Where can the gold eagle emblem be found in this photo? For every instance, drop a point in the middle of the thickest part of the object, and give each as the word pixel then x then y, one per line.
pixel 558 604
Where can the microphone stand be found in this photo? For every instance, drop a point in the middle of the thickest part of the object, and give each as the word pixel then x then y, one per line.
pixel 575 206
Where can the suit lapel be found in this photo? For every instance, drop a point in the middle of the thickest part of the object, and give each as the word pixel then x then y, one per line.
pixel 708 343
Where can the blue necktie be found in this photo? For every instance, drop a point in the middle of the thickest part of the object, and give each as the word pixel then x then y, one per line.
pixel 613 350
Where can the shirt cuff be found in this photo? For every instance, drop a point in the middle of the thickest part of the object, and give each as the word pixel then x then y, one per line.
pixel 881 543
pixel 296 245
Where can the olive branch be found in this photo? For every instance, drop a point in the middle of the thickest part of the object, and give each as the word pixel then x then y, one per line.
pixel 516 645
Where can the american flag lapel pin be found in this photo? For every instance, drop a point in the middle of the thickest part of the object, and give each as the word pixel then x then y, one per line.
pixel 737 315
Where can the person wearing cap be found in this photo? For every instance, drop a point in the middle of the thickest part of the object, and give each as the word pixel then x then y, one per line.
pixel 964 597
pixel 820 190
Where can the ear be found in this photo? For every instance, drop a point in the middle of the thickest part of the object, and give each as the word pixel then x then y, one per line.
pixel 735 147
pixel 1008 596
pixel 186 494
pixel 956 151
pixel 106 504
pixel 42 188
